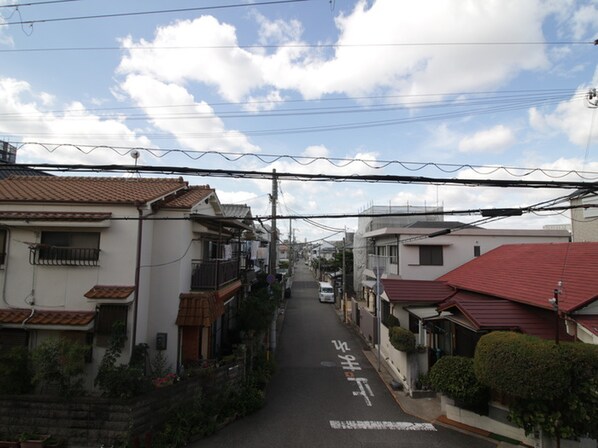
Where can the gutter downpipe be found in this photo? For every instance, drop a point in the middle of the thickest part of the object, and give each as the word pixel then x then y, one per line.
pixel 137 276
pixel 6 255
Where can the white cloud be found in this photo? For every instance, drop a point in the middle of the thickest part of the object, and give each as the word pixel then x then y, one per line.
pixel 584 22
pixel 355 70
pixel 171 108
pixel 219 62
pixel 19 104
pixel 494 140
pixel 573 118
pixel 277 31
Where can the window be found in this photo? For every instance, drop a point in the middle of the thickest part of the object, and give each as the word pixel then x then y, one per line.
pixel 381 251
pixel 213 250
pixel 394 250
pixel 10 338
pixel 2 246
pixel 67 249
pixel 413 324
pixel 108 315
pixel 385 310
pixel 476 251
pixel 430 256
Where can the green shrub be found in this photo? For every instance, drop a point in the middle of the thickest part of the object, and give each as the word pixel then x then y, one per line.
pixel 60 362
pixel 122 380
pixel 391 321
pixel 257 310
pixel 521 366
pixel 552 387
pixel 15 371
pixel 402 339
pixel 454 376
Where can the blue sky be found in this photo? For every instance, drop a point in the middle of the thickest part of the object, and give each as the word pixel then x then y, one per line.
pixel 456 82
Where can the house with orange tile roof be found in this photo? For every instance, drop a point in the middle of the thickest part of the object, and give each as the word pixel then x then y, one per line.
pixel 80 253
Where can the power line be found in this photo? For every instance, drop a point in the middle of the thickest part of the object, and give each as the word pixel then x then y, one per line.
pixel 337 162
pixel 47 2
pixel 450 98
pixel 369 178
pixel 153 12
pixel 526 99
pixel 263 46
pixel 355 125
pixel 533 209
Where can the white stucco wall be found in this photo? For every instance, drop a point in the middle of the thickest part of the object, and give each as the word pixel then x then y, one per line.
pixel 458 247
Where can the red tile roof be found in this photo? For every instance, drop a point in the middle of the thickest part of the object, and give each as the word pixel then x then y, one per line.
pixel 109 292
pixel 489 313
pixel 190 197
pixel 98 190
pixel 399 291
pixel 199 309
pixel 46 317
pixel 589 322
pixel 529 273
pixel 203 308
pixel 53 216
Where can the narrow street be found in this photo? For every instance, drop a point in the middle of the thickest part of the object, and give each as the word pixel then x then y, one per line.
pixel 325 392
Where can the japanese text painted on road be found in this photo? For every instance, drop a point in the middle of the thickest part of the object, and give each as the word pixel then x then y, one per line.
pixel 350 366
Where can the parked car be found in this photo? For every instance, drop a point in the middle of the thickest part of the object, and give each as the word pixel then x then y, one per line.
pixel 326 293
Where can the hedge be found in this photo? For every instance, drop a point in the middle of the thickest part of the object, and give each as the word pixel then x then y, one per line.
pixel 521 366
pixel 552 387
pixel 402 339
pixel 454 376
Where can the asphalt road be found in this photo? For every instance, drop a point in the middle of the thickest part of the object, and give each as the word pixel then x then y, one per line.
pixel 325 393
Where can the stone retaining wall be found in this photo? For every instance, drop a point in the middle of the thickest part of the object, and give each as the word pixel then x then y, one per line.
pixel 94 421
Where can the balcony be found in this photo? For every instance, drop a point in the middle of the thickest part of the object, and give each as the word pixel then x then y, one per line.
pixel 213 274
pixel 42 254
pixel 381 262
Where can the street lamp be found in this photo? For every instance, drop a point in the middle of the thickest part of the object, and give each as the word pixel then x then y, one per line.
pixel 554 301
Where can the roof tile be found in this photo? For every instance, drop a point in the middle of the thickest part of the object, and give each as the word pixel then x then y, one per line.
pixel 529 273
pixel 490 313
pixel 101 190
pixel 46 317
pixel 199 309
pixel 398 290
pixel 109 292
pixel 192 196
pixel 53 216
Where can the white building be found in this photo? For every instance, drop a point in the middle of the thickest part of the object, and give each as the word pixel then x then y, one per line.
pixel 79 254
pixel 382 217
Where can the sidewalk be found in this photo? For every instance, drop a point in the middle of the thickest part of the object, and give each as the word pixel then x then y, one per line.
pixel 427 409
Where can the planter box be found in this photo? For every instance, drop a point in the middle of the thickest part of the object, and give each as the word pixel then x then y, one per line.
pixel 37 442
pixel 422 394
pixel 8 444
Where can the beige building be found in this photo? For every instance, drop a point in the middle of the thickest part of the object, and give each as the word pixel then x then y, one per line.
pixel 584 220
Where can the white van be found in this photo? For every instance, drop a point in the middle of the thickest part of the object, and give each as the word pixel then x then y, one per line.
pixel 326 293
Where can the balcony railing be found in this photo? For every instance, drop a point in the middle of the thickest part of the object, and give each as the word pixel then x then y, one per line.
pixel 42 254
pixel 380 262
pixel 212 274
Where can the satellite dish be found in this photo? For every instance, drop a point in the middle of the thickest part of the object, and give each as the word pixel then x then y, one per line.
pixel 134 154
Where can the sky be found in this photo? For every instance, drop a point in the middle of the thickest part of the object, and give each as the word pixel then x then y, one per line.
pixel 449 89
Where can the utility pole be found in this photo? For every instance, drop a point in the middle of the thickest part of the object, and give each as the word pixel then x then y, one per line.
pixel 273 235
pixel 344 296
pixel 290 246
pixel 273 264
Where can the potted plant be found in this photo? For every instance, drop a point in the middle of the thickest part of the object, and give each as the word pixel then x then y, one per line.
pixel 33 440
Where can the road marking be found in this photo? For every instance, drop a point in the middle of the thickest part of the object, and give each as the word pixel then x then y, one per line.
pixel 381 425
pixel 350 365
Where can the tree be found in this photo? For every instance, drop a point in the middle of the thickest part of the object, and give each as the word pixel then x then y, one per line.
pixel 550 387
